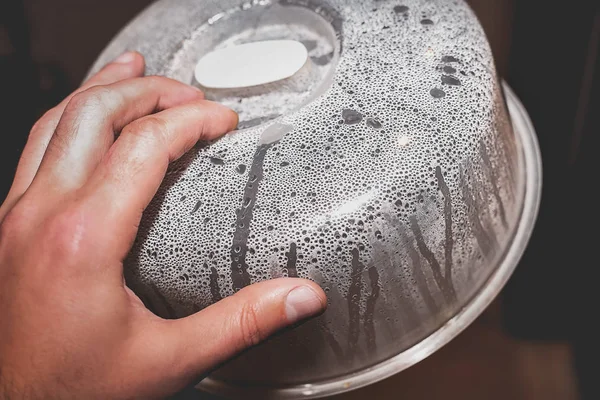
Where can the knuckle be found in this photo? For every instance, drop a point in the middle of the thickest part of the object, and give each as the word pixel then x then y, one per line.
pixel 156 81
pixel 151 128
pixel 249 326
pixel 97 99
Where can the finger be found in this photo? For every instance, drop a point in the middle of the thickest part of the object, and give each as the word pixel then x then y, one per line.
pixel 131 172
pixel 195 345
pixel 128 65
pixel 90 121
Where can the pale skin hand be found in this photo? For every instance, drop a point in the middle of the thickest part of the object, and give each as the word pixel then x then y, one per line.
pixel 69 327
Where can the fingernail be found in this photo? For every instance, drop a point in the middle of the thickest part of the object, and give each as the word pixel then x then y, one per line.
pixel 125 58
pixel 301 303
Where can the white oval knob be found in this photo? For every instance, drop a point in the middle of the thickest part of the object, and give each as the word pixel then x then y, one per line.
pixel 251 64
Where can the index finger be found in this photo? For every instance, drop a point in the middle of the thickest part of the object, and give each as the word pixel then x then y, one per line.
pixel 131 172
pixel 128 65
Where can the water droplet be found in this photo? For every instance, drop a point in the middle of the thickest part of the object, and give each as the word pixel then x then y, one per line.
pixel 215 18
pixel 400 9
pixel 449 59
pixel 373 123
pixel 450 80
pixel 449 70
pixel 437 93
pixel 351 117
pixel 196 207
pixel 216 161
pixel 426 21
pixel 240 169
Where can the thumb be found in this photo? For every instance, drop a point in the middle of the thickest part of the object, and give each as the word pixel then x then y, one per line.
pixel 202 341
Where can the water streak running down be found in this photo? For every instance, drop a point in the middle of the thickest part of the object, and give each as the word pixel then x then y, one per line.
pixel 370 332
pixel 292 260
pixel 449 239
pixel 353 299
pixel 239 247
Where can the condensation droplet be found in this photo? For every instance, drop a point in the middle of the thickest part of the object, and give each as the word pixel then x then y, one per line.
pixel 450 80
pixel 373 123
pixel 449 70
pixel 437 93
pixel 351 117
pixel 449 59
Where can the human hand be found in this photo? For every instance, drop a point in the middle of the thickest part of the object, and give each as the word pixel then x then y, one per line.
pixel 69 326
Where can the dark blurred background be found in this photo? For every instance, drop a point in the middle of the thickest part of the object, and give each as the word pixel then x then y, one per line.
pixel 539 339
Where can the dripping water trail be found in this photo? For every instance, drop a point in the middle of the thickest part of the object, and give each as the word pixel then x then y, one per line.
pixel 494 182
pixel 354 294
pixel 481 235
pixel 447 291
pixel 239 247
pixel 370 309
pixel 449 243
pixel 334 345
pixel 292 260
pixel 417 269
pixel 214 284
